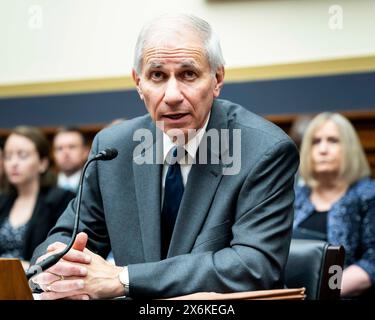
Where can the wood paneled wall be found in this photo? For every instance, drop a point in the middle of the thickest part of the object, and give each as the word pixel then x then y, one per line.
pixel 363 122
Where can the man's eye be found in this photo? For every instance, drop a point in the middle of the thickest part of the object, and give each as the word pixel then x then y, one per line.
pixel 157 75
pixel 189 75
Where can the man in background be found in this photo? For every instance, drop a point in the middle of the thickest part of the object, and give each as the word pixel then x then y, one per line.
pixel 70 151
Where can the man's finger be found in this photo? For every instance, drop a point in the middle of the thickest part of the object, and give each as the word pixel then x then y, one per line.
pixel 72 255
pixel 45 278
pixel 52 249
pixel 59 295
pixel 80 241
pixel 56 246
pixel 79 297
pixel 41 258
pixel 77 256
pixel 68 269
pixel 66 285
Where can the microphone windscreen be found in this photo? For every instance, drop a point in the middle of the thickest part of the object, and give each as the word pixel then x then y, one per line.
pixel 108 154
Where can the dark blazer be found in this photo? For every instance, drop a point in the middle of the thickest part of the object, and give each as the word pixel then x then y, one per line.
pixel 50 204
pixel 232 232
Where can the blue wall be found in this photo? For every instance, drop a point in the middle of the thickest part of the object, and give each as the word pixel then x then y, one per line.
pixel 286 96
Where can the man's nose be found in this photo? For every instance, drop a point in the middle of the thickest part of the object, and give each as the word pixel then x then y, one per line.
pixel 65 152
pixel 173 94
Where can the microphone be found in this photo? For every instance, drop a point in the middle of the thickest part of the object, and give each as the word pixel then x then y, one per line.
pixel 107 154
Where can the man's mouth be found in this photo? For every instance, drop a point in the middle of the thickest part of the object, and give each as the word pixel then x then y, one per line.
pixel 175 116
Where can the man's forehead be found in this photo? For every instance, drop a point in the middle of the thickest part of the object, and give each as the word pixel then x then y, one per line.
pixel 158 64
pixel 64 137
pixel 68 134
pixel 182 57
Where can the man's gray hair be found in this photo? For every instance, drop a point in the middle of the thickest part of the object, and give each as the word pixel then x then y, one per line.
pixel 210 40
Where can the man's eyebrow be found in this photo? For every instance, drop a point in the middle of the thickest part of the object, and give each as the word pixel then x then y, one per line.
pixel 189 64
pixel 155 65
pixel 183 65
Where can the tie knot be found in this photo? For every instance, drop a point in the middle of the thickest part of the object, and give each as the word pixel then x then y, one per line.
pixel 175 155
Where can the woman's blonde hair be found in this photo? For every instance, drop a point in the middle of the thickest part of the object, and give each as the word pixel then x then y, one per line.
pixel 354 164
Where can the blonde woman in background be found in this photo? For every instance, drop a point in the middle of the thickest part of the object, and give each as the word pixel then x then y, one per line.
pixel 337 203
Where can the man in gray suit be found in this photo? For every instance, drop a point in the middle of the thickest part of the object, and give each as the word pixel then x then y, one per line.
pixel 232 222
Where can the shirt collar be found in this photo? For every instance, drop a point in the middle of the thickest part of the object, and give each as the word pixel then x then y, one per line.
pixel 191 147
pixel 72 178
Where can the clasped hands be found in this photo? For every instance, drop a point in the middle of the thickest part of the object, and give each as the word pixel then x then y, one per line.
pixel 79 275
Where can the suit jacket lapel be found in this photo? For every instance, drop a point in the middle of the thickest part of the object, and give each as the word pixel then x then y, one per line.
pixel 198 195
pixel 147 179
pixel 199 192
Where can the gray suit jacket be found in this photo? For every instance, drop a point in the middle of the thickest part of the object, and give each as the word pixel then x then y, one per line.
pixel 232 232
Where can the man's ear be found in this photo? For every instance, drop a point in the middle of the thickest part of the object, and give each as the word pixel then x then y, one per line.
pixel 219 76
pixel 85 153
pixel 44 163
pixel 137 81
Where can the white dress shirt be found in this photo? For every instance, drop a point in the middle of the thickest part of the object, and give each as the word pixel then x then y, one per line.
pixel 69 183
pixel 185 162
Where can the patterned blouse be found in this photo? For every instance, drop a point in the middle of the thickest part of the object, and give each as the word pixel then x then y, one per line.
pixel 351 222
pixel 11 240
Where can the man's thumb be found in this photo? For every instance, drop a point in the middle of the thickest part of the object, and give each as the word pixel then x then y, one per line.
pixel 80 241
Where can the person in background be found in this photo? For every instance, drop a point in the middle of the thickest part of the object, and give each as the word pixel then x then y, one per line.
pixel 116 122
pixel 1 164
pixel 337 203
pixel 70 151
pixel 296 132
pixel 30 204
pixel 298 128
